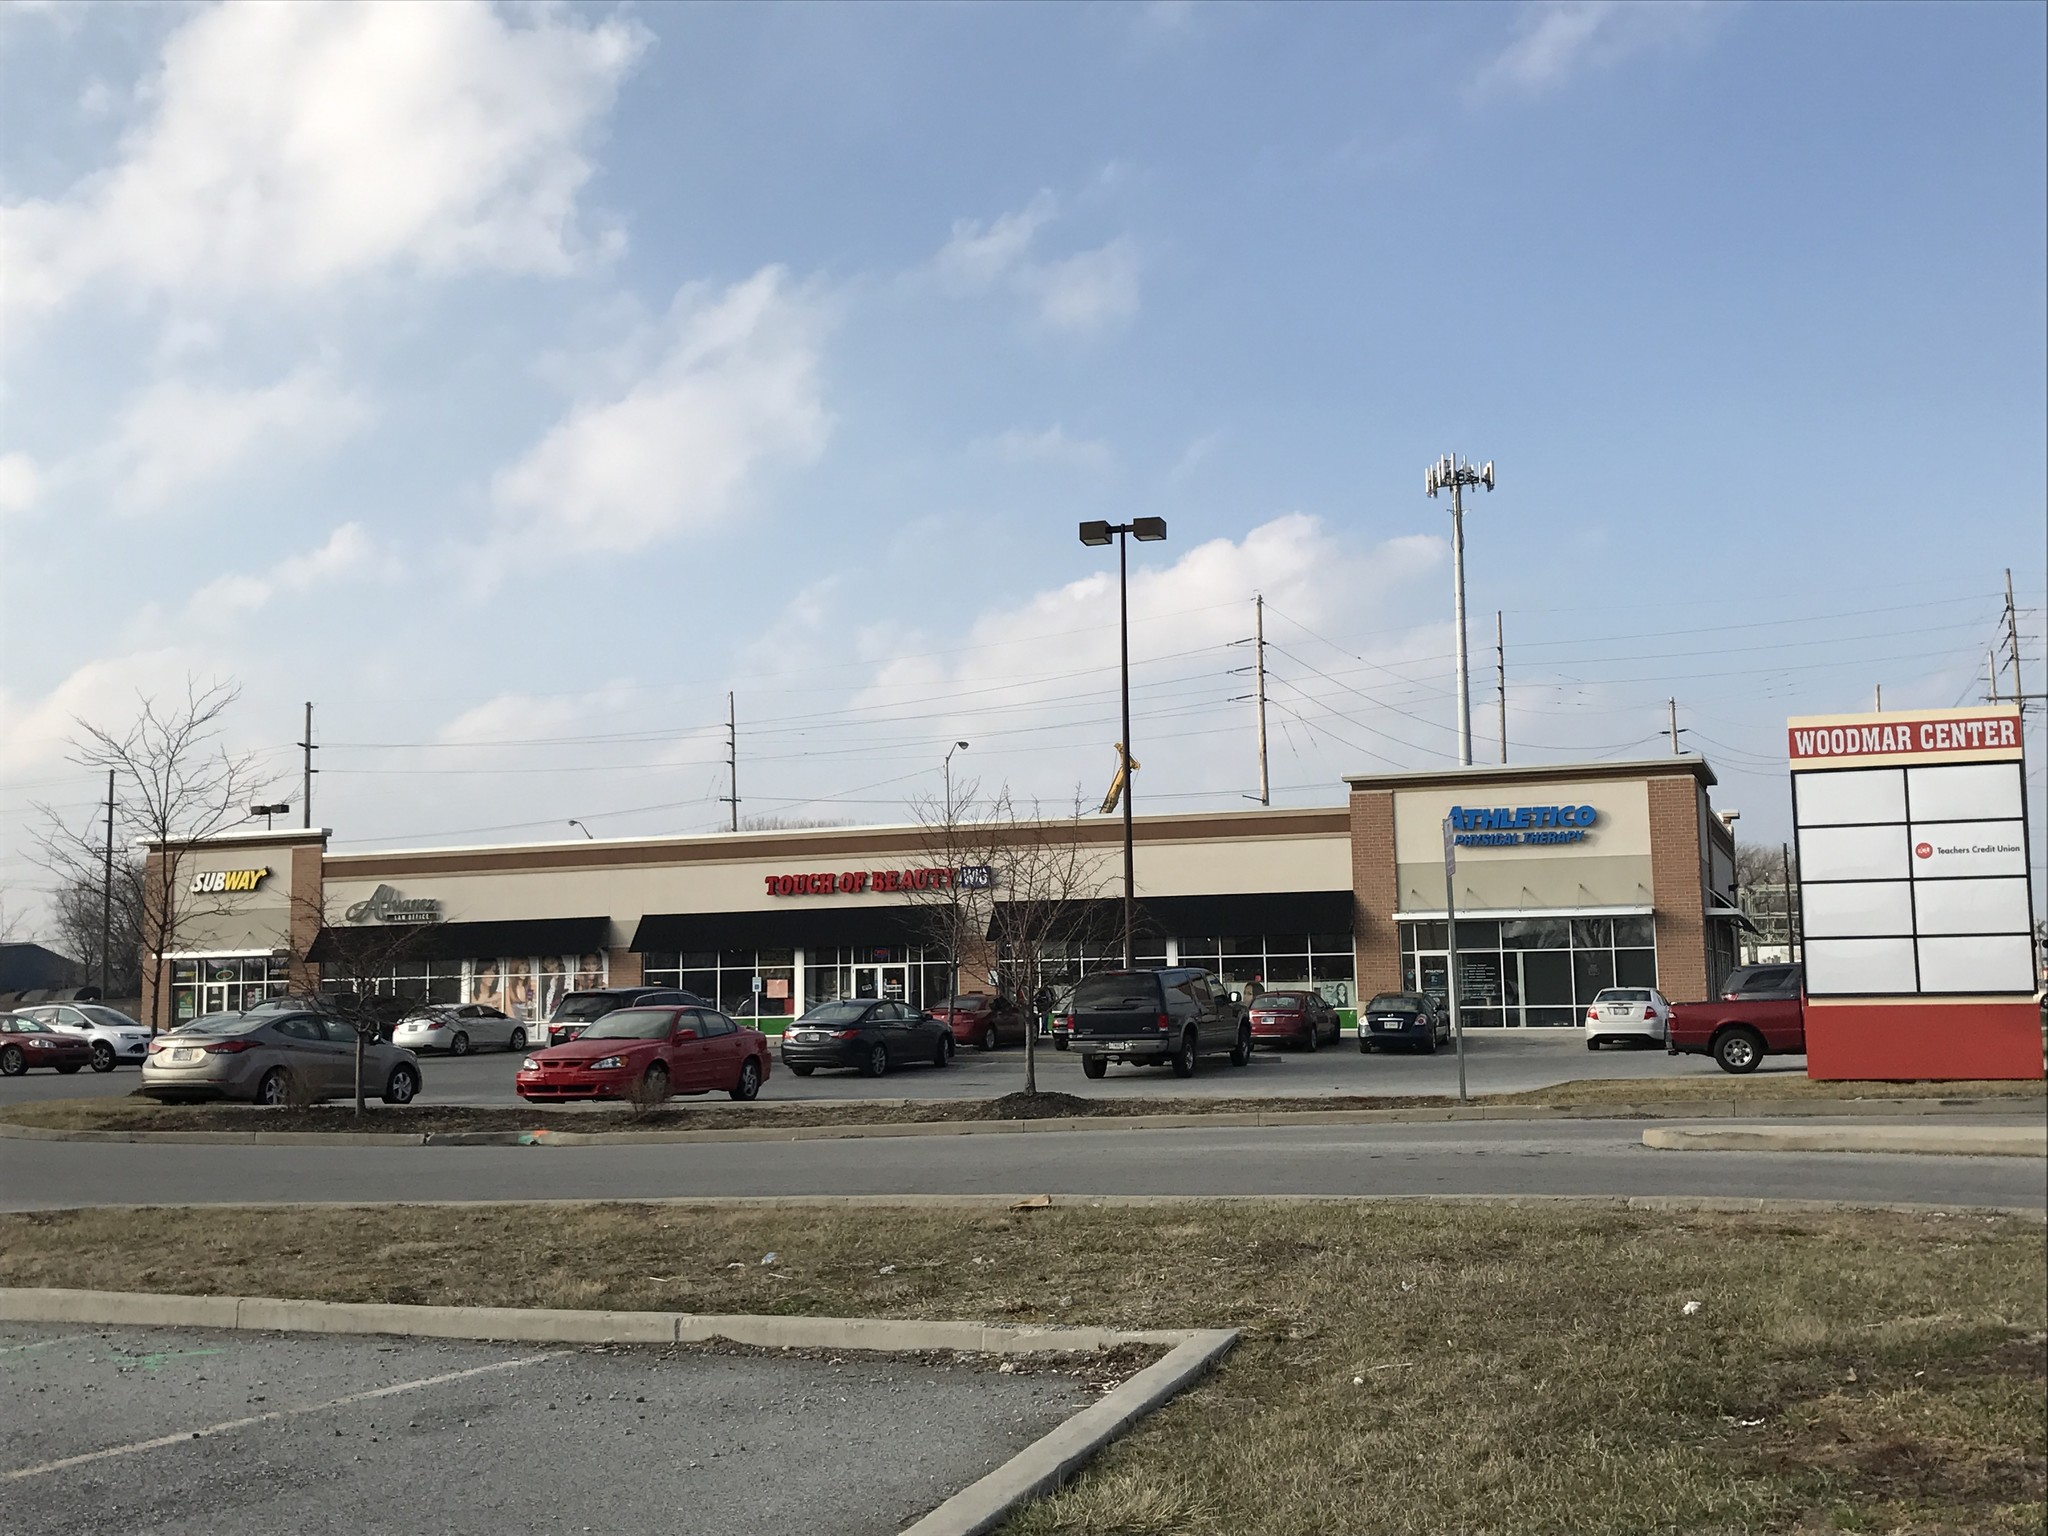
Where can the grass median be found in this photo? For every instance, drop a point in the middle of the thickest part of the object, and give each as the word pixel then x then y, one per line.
pixel 133 1113
pixel 1406 1368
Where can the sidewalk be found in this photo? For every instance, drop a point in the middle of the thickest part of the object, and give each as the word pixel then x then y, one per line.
pixel 1939 1140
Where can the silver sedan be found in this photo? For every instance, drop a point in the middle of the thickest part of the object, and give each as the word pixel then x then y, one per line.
pixel 274 1058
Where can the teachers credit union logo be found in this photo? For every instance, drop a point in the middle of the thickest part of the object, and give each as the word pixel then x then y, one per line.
pixel 212 882
pixel 1923 850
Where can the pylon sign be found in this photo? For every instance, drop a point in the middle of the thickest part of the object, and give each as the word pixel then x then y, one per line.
pixel 1917 910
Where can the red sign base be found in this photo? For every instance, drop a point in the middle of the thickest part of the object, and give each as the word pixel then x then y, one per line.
pixel 1916 1041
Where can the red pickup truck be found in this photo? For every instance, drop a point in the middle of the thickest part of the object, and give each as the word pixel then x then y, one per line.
pixel 1761 1012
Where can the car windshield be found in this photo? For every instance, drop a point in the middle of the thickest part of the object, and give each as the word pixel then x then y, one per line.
pixel 631 1024
pixel 219 1024
pixel 20 1025
pixel 1116 990
pixel 1624 995
pixel 836 1013
pixel 585 1005
pixel 1395 1002
pixel 113 1016
pixel 969 1000
pixel 1278 1002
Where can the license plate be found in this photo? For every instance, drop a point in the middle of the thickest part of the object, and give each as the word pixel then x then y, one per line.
pixel 808 1034
pixel 1389 1024
pixel 184 1053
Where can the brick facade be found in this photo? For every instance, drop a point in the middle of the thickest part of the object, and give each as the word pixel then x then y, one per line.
pixel 1376 937
pixel 623 968
pixel 308 913
pixel 1678 896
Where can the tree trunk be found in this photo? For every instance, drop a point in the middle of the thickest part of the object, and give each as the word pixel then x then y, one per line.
pixel 1031 1042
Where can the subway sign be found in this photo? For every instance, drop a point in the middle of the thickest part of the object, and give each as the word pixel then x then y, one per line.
pixel 214 882
pixel 1520 825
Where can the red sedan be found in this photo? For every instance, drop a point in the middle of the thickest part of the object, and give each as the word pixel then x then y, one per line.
pixel 1294 1018
pixel 647 1054
pixel 26 1043
pixel 980 1020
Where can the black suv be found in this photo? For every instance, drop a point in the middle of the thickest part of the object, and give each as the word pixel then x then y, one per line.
pixel 578 1010
pixel 1173 1017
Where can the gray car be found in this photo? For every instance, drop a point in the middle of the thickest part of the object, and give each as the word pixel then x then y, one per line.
pixel 274 1058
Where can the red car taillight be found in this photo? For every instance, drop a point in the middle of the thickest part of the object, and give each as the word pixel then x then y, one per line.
pixel 1163 1022
pixel 231 1047
pixel 845 1034
pixel 1070 1023
pixel 1592 1014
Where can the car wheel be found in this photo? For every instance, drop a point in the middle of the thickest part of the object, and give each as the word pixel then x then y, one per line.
pixel 988 1038
pixel 12 1062
pixel 942 1053
pixel 1094 1066
pixel 1429 1045
pixel 69 1067
pixel 459 1046
pixel 655 1084
pixel 803 1071
pixel 1184 1059
pixel 1059 1042
pixel 517 1042
pixel 1592 1045
pixel 102 1056
pixel 401 1085
pixel 1739 1050
pixel 877 1064
pixel 1315 1036
pixel 275 1089
pixel 1241 1053
pixel 749 1085
pixel 1365 1047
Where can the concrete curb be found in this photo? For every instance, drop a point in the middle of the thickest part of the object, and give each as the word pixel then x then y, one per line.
pixel 1704 1109
pixel 980 1507
pixel 1945 1141
pixel 1050 1461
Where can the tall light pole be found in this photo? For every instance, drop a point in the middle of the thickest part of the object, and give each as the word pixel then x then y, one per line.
pixel 1148 529
pixel 1455 474
pixel 952 883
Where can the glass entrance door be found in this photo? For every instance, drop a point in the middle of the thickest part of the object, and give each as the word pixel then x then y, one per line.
pixel 890 981
pixel 214 998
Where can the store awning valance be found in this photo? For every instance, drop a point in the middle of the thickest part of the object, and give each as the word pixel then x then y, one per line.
pixel 461 941
pixel 785 928
pixel 1236 915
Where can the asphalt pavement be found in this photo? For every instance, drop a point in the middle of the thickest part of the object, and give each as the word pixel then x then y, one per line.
pixel 1497 1061
pixel 1548 1157
pixel 191 1433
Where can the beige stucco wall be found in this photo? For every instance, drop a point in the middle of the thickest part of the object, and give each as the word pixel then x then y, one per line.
pixel 242 922
pixel 1611 868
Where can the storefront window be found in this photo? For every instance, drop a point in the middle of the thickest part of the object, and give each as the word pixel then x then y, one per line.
pixel 227 984
pixel 1531 972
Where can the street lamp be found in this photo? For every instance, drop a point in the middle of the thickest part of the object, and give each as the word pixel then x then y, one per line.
pixel 1455 474
pixel 953 882
pixel 1149 530
pixel 282 808
pixel 583 829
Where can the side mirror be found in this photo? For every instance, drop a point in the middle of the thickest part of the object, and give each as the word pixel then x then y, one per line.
pixel 925 1014
pixel 686 1034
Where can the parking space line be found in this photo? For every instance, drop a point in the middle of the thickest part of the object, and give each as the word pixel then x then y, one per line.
pixel 277 1413
pixel 69 1338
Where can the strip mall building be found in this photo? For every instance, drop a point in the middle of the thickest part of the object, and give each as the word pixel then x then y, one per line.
pixel 1569 878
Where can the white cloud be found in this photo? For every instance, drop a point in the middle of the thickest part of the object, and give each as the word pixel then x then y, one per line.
pixel 21 483
pixel 288 147
pixel 735 391
pixel 1082 295
pixel 347 552
pixel 1051 446
pixel 1558 39
pixel 178 434
pixel 36 733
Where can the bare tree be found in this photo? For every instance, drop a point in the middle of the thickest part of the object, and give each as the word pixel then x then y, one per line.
pixel 1022 888
pixel 176 784
pixel 357 963
pixel 80 913
pixel 1766 889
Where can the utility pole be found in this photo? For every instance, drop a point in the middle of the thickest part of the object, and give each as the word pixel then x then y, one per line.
pixel 1879 706
pixel 1500 673
pixel 2012 635
pixel 732 761
pixel 1448 471
pixel 306 791
pixel 1991 672
pixel 1451 952
pixel 1785 874
pixel 1259 671
pixel 1673 732
pixel 107 897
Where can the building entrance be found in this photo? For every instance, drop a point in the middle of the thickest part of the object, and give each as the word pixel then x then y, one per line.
pixel 890 981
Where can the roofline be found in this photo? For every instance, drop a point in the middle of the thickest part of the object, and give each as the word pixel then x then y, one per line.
pixel 1537 773
pixel 239 836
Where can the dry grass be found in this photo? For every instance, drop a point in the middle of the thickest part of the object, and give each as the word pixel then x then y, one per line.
pixel 1406 1368
pixel 139 1114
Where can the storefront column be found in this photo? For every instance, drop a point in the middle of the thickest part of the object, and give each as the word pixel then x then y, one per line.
pixel 796 984
pixel 1375 888
pixel 1679 897
pixel 623 968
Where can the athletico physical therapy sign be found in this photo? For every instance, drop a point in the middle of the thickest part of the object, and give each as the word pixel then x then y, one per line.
pixel 1894 738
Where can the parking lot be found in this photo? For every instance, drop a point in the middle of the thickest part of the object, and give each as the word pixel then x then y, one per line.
pixel 224 1434
pixel 1496 1062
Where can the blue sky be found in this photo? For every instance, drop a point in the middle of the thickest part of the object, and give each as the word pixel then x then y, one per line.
pixel 515 382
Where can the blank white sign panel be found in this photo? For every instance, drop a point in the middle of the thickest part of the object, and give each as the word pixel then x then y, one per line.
pixel 1973 906
pixel 1996 964
pixel 1861 909
pixel 1965 792
pixel 1859 794
pixel 1853 853
pixel 1954 850
pixel 1844 967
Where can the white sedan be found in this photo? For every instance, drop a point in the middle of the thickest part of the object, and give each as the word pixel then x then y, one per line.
pixel 115 1037
pixel 459 1029
pixel 1627 1015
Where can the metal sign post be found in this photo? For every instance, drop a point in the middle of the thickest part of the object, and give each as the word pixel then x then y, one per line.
pixel 1451 939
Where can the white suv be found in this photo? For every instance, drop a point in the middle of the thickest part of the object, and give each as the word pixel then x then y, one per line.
pixel 1627 1015
pixel 115 1037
